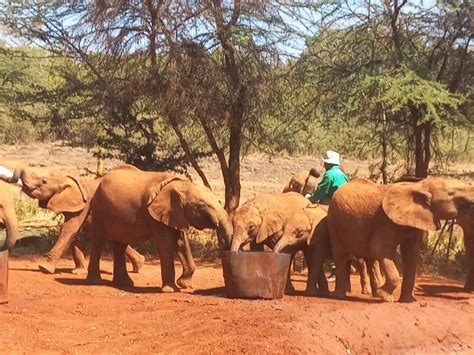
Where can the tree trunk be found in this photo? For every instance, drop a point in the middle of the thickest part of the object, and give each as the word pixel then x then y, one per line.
pixel 421 167
pixel 187 150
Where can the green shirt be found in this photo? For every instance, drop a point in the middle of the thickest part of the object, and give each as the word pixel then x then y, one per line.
pixel 332 180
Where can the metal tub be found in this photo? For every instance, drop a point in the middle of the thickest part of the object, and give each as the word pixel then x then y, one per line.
pixel 255 274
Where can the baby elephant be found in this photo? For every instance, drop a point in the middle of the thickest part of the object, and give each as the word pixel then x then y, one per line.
pixel 297 228
pixel 307 230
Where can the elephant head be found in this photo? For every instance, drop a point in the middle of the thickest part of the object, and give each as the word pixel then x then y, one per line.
pixel 423 204
pixel 301 227
pixel 179 204
pixel 303 182
pixel 263 217
pixel 246 221
pixel 55 192
pixel 8 217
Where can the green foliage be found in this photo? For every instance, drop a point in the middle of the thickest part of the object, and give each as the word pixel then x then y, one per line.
pixel 435 263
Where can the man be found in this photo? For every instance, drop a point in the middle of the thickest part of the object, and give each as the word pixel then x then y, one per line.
pixel 332 179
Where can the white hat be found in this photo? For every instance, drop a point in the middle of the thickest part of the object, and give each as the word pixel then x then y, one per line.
pixel 331 157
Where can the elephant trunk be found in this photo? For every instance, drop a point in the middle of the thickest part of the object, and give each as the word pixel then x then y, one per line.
pixel 11 225
pixel 280 245
pixel 17 174
pixel 224 233
pixel 238 238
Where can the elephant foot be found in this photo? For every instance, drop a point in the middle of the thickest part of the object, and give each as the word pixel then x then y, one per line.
pixel 384 295
pixel 138 263
pixel 366 290
pixel 123 281
pixel 407 299
pixel 93 280
pixel 47 268
pixel 79 271
pixel 169 289
pixel 340 295
pixel 185 281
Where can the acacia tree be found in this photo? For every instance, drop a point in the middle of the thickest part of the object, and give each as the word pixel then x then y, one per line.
pixel 178 62
pixel 400 68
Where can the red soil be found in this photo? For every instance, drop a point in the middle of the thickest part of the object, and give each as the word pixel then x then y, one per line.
pixel 59 313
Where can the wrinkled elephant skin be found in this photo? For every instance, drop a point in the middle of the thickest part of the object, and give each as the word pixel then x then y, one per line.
pixel 370 220
pixel 132 205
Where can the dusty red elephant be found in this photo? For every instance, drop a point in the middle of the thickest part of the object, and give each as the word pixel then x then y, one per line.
pixel 370 220
pixel 132 205
pixel 72 197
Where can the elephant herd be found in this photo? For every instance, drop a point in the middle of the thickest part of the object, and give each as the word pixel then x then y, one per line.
pixel 365 221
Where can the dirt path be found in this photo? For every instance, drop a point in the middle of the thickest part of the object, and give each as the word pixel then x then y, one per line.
pixel 60 313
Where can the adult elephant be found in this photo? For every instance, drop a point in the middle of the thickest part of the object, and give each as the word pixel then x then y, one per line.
pixel 466 220
pixel 132 205
pixel 304 182
pixel 72 197
pixel 260 220
pixel 8 219
pixel 371 220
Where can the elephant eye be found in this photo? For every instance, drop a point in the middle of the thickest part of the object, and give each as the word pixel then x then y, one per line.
pixel 451 192
pixel 44 181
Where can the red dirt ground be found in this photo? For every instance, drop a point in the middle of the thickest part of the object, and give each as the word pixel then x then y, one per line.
pixel 59 313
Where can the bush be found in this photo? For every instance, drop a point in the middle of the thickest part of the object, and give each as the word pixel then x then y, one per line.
pixel 19 132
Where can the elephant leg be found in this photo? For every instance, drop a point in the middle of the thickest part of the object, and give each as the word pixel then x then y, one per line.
pixel 166 240
pixel 187 261
pixel 375 277
pixel 315 256
pixel 469 247
pixel 342 276
pixel 289 288
pixel 391 280
pixel 79 260
pixel 364 276
pixel 137 259
pixel 72 224
pixel 121 277
pixel 97 243
pixel 410 249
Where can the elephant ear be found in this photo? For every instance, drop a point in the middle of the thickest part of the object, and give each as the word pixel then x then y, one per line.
pixel 72 198
pixel 409 204
pixel 165 205
pixel 271 224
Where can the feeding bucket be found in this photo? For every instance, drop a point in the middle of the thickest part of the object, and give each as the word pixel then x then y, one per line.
pixel 255 274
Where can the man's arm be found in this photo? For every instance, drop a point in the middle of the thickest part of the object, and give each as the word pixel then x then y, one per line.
pixel 322 190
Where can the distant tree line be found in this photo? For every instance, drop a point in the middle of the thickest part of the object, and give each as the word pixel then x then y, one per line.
pixel 165 83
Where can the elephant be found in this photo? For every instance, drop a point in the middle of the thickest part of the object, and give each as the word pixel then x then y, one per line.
pixel 296 230
pixel 370 220
pixel 71 197
pixel 303 182
pixel 466 220
pixel 8 218
pixel 132 205
pixel 260 220
pixel 307 230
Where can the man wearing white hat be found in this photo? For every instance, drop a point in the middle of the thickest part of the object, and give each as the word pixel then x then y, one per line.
pixel 333 178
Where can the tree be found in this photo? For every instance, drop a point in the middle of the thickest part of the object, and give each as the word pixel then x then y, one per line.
pixel 136 55
pixel 394 67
